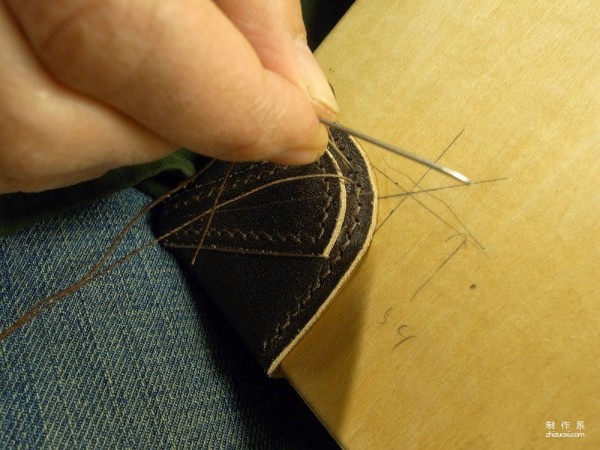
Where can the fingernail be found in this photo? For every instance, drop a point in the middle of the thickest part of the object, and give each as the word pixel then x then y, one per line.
pixel 314 79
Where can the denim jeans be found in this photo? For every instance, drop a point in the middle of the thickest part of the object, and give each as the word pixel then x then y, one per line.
pixel 136 359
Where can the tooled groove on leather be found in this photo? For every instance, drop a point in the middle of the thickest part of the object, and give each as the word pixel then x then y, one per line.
pixel 323 275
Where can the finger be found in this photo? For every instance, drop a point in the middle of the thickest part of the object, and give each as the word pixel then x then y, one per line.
pixel 276 31
pixel 180 68
pixel 51 137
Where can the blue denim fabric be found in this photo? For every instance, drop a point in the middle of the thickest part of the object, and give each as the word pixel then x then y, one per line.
pixel 137 359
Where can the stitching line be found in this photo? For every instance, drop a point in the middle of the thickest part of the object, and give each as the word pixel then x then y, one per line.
pixel 276 236
pixel 201 195
pixel 256 235
pixel 325 273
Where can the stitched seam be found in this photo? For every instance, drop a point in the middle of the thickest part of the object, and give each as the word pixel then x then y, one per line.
pixel 328 200
pixel 302 303
pixel 260 234
pixel 253 177
pixel 201 195
pixel 196 198
pixel 253 235
pixel 327 206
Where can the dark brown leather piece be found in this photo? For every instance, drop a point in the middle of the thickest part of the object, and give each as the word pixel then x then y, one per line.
pixel 281 242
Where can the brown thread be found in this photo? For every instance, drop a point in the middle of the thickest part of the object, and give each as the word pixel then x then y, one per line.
pixel 256 235
pixel 301 304
pixel 205 194
pixel 257 177
pixel 212 211
pixel 98 270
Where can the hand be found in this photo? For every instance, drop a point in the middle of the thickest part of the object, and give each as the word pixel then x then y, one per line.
pixel 90 85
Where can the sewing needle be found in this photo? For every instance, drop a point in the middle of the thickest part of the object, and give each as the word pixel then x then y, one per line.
pixel 443 169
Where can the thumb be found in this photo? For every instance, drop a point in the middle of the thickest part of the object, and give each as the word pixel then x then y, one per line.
pixel 180 68
pixel 276 31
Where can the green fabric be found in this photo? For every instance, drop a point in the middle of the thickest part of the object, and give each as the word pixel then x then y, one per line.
pixel 21 210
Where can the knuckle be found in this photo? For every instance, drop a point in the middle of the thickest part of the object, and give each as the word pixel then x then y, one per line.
pixel 65 43
pixel 67 35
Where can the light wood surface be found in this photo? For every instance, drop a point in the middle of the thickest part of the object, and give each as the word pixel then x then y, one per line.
pixel 475 318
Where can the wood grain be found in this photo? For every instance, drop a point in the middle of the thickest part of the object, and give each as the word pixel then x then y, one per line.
pixel 474 319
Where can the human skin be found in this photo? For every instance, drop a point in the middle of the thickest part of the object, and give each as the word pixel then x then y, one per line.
pixel 90 85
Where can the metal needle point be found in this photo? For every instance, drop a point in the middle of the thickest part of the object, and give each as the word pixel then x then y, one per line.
pixel 443 169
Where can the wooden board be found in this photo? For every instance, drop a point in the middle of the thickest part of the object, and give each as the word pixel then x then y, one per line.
pixel 474 321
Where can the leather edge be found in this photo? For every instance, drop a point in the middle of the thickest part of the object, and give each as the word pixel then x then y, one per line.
pixel 274 368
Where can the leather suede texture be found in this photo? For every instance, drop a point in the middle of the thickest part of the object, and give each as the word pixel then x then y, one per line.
pixel 276 242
